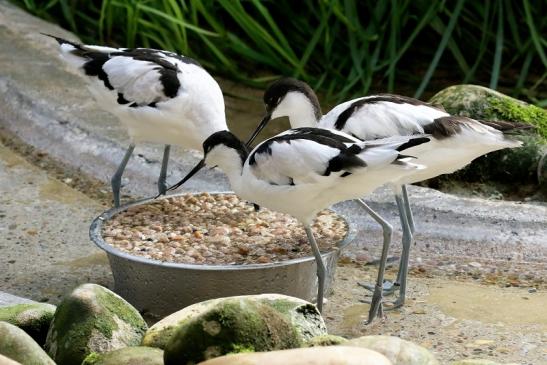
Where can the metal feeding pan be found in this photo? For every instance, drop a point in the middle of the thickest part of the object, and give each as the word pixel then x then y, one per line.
pixel 160 288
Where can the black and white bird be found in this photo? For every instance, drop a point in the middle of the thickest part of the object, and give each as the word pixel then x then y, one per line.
pixel 159 96
pixel 305 170
pixel 455 141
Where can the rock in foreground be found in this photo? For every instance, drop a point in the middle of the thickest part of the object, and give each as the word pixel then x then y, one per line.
pixel 17 345
pixel 7 361
pixel 303 316
pixel 334 355
pixel 33 318
pixel 92 319
pixel 397 350
pixel 326 340
pixel 231 325
pixel 138 355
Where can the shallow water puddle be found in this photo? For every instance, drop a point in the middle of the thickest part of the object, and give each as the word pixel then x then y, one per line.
pixel 489 304
pixel 8 158
pixel 95 259
pixel 57 191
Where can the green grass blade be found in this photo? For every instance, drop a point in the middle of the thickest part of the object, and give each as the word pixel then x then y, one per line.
pixel 440 49
pixel 499 48
pixel 533 32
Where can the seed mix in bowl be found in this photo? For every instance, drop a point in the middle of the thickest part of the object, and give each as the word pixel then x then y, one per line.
pixel 216 229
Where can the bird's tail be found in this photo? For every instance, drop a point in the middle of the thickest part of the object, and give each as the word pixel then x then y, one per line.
pixel 72 52
pixel 77 54
pixel 508 128
pixel 388 150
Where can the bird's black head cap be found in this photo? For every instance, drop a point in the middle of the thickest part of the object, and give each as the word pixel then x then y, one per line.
pixel 275 93
pixel 227 139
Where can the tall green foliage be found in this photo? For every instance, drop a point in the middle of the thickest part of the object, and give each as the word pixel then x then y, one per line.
pixel 341 47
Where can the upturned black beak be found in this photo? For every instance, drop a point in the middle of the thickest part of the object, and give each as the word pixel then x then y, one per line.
pixel 260 127
pixel 196 168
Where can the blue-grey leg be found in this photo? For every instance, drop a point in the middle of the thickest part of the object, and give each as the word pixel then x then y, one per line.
pixel 387 230
pixel 405 255
pixel 116 180
pixel 162 181
pixel 321 269
pixel 410 220
pixel 377 297
pixel 408 211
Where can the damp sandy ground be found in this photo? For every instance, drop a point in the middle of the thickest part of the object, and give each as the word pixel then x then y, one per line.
pixel 453 318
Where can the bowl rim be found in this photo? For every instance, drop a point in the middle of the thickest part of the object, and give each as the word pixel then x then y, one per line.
pixel 96 236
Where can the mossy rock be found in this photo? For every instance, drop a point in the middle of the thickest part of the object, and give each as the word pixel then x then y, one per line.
pixel 480 102
pixel 326 340
pixel 7 361
pixel 92 319
pixel 231 326
pixel 138 355
pixel 17 345
pixel 33 318
pixel 303 315
pixel 397 350
pixel 509 165
pixel 332 355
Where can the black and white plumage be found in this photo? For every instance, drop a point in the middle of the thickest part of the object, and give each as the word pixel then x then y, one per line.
pixel 305 170
pixel 159 96
pixel 455 141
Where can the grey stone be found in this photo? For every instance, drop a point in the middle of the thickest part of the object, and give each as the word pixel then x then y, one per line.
pixel 17 345
pixel 397 350
pixel 92 319
pixel 7 361
pixel 326 340
pixel 331 355
pixel 33 318
pixel 9 299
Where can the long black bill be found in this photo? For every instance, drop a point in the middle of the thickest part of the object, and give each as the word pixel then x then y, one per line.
pixel 196 168
pixel 260 127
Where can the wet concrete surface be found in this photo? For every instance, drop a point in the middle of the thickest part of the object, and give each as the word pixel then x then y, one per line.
pixel 44 246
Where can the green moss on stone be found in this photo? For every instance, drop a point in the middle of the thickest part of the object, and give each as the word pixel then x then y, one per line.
pixel 70 324
pixel 90 312
pixel 137 355
pixel 241 348
pixel 33 318
pixel 122 310
pixel 508 109
pixel 92 359
pixel 304 316
pixel 243 326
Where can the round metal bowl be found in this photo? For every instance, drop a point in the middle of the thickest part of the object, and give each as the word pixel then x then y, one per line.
pixel 160 288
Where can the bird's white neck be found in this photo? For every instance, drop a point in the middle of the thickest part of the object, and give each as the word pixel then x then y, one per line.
pixel 229 161
pixel 298 108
